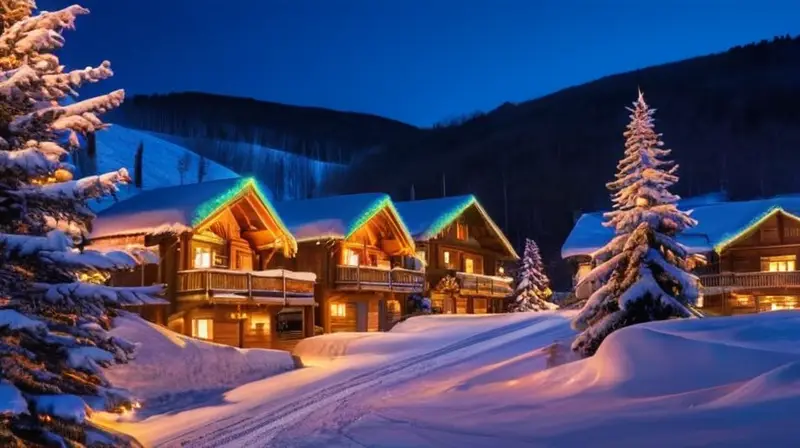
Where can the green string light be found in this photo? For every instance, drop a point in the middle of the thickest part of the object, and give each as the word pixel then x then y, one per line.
pixel 372 210
pixel 772 211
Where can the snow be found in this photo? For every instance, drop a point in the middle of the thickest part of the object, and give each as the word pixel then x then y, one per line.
pixel 172 370
pixel 426 218
pixel 705 382
pixel 332 217
pixel 87 358
pixel 716 223
pixel 116 148
pixel 67 407
pixel 11 400
pixel 16 321
pixel 158 210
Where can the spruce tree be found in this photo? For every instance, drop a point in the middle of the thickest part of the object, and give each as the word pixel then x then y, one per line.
pixel 644 271
pixel 55 309
pixel 532 287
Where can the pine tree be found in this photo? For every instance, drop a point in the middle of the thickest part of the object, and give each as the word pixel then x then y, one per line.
pixel 532 287
pixel 184 163
pixel 138 181
pixel 55 309
pixel 202 169
pixel 644 272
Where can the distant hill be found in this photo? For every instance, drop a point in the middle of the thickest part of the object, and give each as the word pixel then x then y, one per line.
pixel 321 134
pixel 732 120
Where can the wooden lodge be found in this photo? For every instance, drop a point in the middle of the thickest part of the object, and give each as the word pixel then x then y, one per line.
pixel 462 250
pixel 215 241
pixel 752 248
pixel 356 244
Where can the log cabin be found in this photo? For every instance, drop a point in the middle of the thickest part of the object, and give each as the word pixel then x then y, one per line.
pixel 355 244
pixel 463 251
pixel 752 249
pixel 214 241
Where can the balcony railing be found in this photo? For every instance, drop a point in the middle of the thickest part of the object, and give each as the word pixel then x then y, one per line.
pixel 227 284
pixel 484 285
pixel 746 280
pixel 374 278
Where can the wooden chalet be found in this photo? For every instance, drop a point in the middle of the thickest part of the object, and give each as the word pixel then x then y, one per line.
pixel 752 249
pixel 355 244
pixel 463 251
pixel 215 240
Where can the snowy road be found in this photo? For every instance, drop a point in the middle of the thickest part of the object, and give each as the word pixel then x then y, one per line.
pixel 264 423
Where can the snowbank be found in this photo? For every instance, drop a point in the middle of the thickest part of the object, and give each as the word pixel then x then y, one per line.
pixel 173 371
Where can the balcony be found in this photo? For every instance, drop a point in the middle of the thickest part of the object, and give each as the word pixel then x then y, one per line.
pixel 370 278
pixel 484 285
pixel 731 281
pixel 276 286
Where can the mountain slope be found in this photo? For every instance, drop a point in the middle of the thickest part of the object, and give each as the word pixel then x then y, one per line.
pixel 730 118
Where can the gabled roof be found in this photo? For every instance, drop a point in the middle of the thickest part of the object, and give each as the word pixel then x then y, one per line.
pixel 718 225
pixel 335 217
pixel 185 206
pixel 428 217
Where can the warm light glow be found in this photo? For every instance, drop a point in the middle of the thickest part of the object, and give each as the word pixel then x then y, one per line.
pixel 755 223
pixel 501 270
pixel 238 315
pixel 203 328
pixel 778 264
pixel 642 202
pixel 446 257
pixel 469 265
pixel 351 257
pixel 338 310
pixel 202 257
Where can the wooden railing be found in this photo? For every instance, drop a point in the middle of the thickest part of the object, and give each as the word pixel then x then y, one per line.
pixel 484 285
pixel 247 284
pixel 370 277
pixel 742 280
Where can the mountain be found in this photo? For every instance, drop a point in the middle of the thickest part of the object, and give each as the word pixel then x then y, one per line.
pixel 322 134
pixel 731 119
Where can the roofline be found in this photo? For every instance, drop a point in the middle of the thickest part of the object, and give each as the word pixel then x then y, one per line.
pixel 774 210
pixel 381 203
pixel 213 206
pixel 448 216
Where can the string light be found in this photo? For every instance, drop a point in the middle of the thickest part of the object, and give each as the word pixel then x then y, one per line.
pixel 212 206
pixel 372 210
pixel 772 211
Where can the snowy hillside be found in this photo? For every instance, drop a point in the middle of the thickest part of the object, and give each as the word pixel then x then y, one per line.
pixel 116 148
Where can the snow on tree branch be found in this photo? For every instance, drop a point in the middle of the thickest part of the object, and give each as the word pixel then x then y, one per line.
pixel 81 292
pixel 81 189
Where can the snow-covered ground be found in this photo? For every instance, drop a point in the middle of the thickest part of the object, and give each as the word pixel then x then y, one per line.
pixel 173 371
pixel 482 380
pixel 116 148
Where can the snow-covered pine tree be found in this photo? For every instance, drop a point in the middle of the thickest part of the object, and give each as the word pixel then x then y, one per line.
pixel 644 271
pixel 532 287
pixel 55 309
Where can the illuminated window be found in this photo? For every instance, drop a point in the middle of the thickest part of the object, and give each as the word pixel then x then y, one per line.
pixel 338 310
pixel 202 257
pixel 351 257
pixel 446 257
pixel 777 303
pixel 421 256
pixel 203 328
pixel 778 264
pixel 469 265
pixel 461 231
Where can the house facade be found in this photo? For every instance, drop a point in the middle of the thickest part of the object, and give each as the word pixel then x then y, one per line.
pixel 355 244
pixel 462 251
pixel 214 241
pixel 751 247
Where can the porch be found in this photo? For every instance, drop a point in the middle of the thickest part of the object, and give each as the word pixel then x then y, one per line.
pixel 484 285
pixel 275 286
pixel 732 281
pixel 370 278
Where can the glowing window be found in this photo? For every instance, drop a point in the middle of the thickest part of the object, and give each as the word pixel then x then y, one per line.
pixel 469 265
pixel 338 310
pixel 351 257
pixel 202 257
pixel 203 328
pixel 446 257
pixel 461 231
pixel 778 264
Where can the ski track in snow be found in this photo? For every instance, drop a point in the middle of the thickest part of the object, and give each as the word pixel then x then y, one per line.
pixel 264 423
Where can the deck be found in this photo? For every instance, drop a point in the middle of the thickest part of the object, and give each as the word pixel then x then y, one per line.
pixel 223 285
pixel 732 281
pixel 484 285
pixel 369 278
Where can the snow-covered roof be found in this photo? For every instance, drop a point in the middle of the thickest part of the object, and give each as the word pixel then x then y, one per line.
pixel 178 207
pixel 718 225
pixel 335 217
pixel 426 218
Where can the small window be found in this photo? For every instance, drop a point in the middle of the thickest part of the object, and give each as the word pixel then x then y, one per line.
pixel 351 257
pixel 338 310
pixel 461 231
pixel 778 264
pixel 202 257
pixel 203 328
pixel 469 265
pixel 446 257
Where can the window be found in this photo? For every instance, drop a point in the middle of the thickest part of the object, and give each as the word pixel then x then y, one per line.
pixel 421 256
pixel 461 231
pixel 203 328
pixel 446 257
pixel 469 265
pixel 338 310
pixel 777 303
pixel 202 257
pixel 351 257
pixel 778 264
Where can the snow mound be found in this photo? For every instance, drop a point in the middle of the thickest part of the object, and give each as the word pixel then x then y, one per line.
pixel 171 367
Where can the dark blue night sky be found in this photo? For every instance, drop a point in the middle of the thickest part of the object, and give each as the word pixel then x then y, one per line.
pixel 418 61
